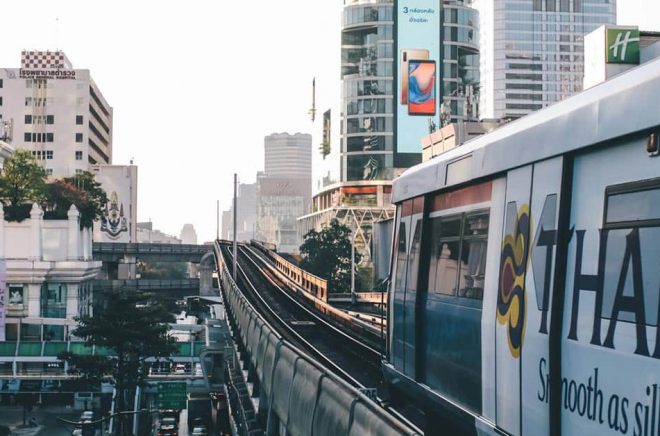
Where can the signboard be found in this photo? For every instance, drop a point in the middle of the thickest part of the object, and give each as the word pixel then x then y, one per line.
pixel 622 45
pixel 417 75
pixel 3 298
pixel 171 395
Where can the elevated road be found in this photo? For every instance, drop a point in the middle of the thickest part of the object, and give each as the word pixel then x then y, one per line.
pixel 112 252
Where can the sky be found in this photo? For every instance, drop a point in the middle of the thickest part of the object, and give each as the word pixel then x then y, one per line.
pixel 196 85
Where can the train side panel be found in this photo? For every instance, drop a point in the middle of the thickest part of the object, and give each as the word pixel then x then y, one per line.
pixel 611 349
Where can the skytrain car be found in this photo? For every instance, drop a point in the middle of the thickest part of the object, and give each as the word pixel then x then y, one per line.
pixel 526 272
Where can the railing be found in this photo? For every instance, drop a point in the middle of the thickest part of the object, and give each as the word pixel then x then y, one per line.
pixel 302 396
pixel 315 285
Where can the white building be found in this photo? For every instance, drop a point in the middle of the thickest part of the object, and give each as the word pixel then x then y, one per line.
pixel 532 51
pixel 57 112
pixel 188 234
pixel 148 235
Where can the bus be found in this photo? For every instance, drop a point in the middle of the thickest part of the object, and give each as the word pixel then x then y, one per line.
pixel 525 272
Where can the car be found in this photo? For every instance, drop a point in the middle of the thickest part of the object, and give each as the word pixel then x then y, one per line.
pixel 168 427
pixel 87 415
pixel 180 368
pixel 199 431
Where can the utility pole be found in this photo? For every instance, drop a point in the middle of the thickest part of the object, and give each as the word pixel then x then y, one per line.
pixel 353 299
pixel 235 207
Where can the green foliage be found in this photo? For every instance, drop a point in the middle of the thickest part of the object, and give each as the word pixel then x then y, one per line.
pixel 327 254
pixel 81 190
pixel 133 328
pixel 163 270
pixel 22 181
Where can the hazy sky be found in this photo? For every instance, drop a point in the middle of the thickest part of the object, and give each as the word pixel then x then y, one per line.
pixel 196 85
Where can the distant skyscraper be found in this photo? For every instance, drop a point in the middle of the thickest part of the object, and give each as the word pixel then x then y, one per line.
pixel 284 189
pixel 188 234
pixel 532 51
pixel 246 215
pixel 57 112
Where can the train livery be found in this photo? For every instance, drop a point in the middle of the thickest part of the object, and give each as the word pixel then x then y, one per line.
pixel 526 272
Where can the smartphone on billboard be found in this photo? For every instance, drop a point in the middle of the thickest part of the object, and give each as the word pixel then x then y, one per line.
pixel 421 87
pixel 407 55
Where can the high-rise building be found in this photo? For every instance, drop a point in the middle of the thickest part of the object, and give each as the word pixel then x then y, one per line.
pixel 532 51
pixel 57 112
pixel 284 189
pixel 246 214
pixel 188 234
pixel 366 110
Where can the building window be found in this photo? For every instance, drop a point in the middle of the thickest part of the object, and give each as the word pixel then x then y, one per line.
pixel 49 137
pixel 28 101
pixel 1 83
pixel 28 83
pixel 27 137
pixel 50 119
pixel 15 294
pixel 28 119
pixel 0 101
pixel 79 120
pixel 49 171
pixel 49 154
pixel 53 300
pixel 79 137
pixel 79 100
pixel 79 155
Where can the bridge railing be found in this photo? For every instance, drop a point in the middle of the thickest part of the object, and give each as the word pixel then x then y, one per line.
pixel 302 395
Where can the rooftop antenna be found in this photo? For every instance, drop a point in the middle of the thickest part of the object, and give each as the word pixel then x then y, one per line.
pixel 312 111
pixel 57 31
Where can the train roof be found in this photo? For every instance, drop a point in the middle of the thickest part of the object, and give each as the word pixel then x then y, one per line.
pixel 628 103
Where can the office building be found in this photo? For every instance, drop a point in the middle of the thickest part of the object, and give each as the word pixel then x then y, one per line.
pixel 57 112
pixel 284 189
pixel 188 234
pixel 367 132
pixel 532 51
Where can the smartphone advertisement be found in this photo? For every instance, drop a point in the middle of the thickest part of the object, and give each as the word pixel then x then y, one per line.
pixel 416 76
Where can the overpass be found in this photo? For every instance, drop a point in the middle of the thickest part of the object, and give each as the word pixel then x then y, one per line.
pixel 114 251
pixel 187 285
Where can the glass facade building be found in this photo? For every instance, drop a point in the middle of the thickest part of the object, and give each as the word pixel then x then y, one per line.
pixel 532 51
pixel 367 61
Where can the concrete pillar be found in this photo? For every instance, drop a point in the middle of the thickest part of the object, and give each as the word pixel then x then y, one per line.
pixel 2 232
pixel 33 299
pixel 72 299
pixel 73 246
pixel 36 222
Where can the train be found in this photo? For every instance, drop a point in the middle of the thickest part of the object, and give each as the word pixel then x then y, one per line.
pixel 525 272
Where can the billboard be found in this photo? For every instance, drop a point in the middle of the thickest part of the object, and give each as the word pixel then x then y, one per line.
pixel 417 75
pixel 118 222
pixel 622 45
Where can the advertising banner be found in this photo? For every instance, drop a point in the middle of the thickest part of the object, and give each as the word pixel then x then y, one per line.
pixel 417 75
pixel 3 298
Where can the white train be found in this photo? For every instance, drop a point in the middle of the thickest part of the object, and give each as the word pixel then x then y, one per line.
pixel 526 272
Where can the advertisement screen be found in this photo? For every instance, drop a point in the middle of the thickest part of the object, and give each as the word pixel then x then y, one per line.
pixel 417 44
pixel 421 87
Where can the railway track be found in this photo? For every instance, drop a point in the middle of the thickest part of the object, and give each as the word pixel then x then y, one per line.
pixel 348 357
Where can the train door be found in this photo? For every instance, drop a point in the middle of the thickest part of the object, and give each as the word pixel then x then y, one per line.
pixel 401 246
pixel 610 358
pixel 511 302
pixel 406 267
pixel 534 356
pixel 412 277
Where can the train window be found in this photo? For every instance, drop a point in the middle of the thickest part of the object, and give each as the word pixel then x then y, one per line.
pixel 458 254
pixel 413 267
pixel 633 204
pixel 401 257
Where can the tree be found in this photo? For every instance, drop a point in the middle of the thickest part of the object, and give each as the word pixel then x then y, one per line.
pixel 22 182
pixel 82 191
pixel 327 254
pixel 132 328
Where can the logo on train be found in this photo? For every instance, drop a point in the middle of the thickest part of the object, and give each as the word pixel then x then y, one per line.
pixel 511 304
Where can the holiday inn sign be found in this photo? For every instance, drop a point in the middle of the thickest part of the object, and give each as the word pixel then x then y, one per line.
pixel 622 45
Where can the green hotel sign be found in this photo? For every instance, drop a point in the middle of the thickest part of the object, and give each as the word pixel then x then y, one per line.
pixel 622 46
